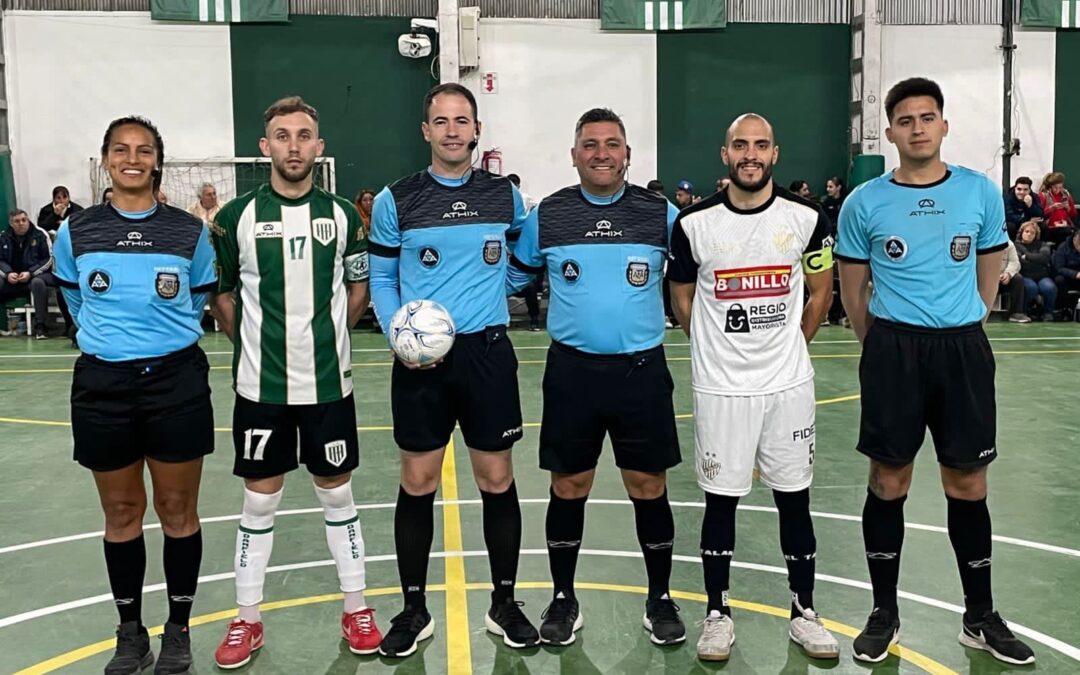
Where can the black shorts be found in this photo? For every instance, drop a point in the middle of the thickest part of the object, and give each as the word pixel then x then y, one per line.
pixel 123 411
pixel 266 435
pixel 627 396
pixel 475 386
pixel 913 378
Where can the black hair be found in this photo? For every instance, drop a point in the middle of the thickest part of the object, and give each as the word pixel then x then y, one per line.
pixel 797 185
pixel 15 212
pixel 60 190
pixel 909 88
pixel 655 186
pixel 449 88
pixel 360 195
pixel 1023 180
pixel 138 121
pixel 599 115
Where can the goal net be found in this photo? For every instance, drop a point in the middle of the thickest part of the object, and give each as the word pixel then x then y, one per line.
pixel 182 179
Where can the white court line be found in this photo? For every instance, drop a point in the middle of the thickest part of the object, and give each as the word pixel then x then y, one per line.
pixel 1046 640
pixel 73 354
pixel 1023 543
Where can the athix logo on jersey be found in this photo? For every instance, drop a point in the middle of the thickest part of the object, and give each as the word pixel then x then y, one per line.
pixel 459 210
pixel 272 230
pixel 429 256
pixel 927 207
pixel 752 282
pixel 134 240
pixel 99 281
pixel 603 228
pixel 324 230
pixel 336 452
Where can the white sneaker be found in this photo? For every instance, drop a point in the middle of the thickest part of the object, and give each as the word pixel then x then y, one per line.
pixel 717 636
pixel 808 632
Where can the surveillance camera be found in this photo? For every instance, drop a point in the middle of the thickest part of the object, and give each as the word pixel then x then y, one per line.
pixel 418 24
pixel 414 46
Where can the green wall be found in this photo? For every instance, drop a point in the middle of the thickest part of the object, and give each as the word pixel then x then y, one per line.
pixel 369 97
pixel 1067 109
pixel 7 191
pixel 796 76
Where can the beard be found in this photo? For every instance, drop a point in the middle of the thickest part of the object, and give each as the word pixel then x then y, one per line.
pixel 756 186
pixel 293 175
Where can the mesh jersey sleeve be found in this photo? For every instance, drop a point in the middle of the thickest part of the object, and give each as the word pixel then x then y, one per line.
pixel 223 234
pixel 682 266
pixel 993 231
pixel 817 256
pixel 356 249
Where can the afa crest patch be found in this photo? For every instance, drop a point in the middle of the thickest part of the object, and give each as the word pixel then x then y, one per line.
pixel 167 285
pixel 960 247
pixel 492 252
pixel 637 274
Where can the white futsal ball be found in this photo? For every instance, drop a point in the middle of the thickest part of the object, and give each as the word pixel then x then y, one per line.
pixel 421 332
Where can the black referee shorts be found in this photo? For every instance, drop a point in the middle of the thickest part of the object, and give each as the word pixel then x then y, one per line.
pixel 475 386
pixel 626 396
pixel 124 411
pixel 913 378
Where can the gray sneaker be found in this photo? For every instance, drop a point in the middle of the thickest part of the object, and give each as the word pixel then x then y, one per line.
pixel 1019 318
pixel 717 636
pixel 808 632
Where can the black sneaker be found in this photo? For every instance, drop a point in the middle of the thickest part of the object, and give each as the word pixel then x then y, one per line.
pixel 662 621
pixel 175 656
pixel 881 632
pixel 561 621
pixel 991 633
pixel 407 630
pixel 534 326
pixel 506 619
pixel 132 650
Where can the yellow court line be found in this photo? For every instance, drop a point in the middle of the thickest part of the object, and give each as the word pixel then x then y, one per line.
pixel 225 430
pixel 913 657
pixel 458 650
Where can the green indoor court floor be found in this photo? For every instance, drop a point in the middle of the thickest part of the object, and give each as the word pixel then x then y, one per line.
pixel 56 614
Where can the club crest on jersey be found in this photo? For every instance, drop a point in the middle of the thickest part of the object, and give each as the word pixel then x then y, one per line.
pixel 637 273
pixel 492 251
pixel 336 452
pixel 167 285
pixel 460 209
pixel 99 281
pixel 324 230
pixel 752 282
pixel 269 230
pixel 783 241
pixel 896 248
pixel 960 248
pixel 603 229
pixel 571 271
pixel 429 256
pixel 710 465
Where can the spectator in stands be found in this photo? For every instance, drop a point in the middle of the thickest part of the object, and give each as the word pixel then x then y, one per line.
pixel 657 187
pixel 25 267
pixel 833 200
pixel 1021 205
pixel 801 188
pixel 207 207
pixel 535 290
pixel 363 202
pixel 1067 264
pixel 1012 283
pixel 684 194
pixel 106 196
pixel 53 213
pixel 1059 208
pixel 1036 266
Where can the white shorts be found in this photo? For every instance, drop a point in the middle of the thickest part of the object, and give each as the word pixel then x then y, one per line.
pixel 774 433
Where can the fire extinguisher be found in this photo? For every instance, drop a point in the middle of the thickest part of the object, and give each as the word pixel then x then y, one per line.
pixel 491 161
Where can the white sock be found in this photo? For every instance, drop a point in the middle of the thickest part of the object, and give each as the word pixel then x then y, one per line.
pixel 345 541
pixel 254 541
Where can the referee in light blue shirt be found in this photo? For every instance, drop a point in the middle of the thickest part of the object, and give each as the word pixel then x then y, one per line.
pixel 931 235
pixel 604 243
pixel 135 274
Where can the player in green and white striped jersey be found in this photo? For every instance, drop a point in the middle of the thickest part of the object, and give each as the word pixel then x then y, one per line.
pixel 293 281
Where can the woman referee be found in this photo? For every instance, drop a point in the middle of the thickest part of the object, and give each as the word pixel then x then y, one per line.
pixel 135 274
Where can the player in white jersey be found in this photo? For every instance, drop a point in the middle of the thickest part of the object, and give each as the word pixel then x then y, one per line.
pixel 739 262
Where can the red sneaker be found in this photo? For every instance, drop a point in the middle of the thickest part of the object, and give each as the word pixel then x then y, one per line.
pixel 241 639
pixel 360 630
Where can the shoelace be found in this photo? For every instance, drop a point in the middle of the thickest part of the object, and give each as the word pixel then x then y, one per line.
pixel 665 610
pixel 996 626
pixel 712 626
pixel 558 610
pixel 513 611
pixel 411 618
pixel 238 632
pixel 126 641
pixel 878 622
pixel 362 622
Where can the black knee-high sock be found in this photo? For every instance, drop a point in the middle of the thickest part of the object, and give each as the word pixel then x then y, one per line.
pixel 182 558
pixel 656 536
pixel 414 528
pixel 717 548
pixel 502 535
pixel 126 563
pixel 883 537
pixel 564 528
pixel 799 546
pixel 969 532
